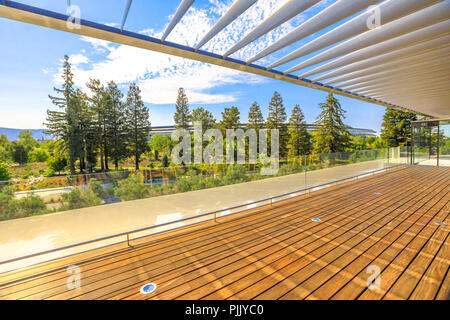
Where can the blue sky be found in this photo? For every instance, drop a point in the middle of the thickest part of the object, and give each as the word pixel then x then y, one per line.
pixel 30 61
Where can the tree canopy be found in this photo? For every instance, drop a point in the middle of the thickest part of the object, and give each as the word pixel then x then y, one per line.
pixel 332 135
pixel 396 127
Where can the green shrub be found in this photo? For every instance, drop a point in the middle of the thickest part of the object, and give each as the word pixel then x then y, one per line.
pixel 38 155
pixel 80 198
pixel 57 163
pixel 96 187
pixel 131 188
pixel 290 168
pixel 165 161
pixel 4 172
pixel 49 173
pixel 12 208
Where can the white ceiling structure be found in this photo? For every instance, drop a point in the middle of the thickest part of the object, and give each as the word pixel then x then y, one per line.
pixel 401 62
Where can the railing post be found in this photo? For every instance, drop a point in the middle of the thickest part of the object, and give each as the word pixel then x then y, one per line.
pixel 128 240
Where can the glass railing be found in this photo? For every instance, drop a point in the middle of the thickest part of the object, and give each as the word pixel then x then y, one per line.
pixel 50 213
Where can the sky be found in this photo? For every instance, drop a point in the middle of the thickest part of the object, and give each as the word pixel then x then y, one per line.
pixel 31 57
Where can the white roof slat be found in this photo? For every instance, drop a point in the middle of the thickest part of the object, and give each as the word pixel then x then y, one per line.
pixel 236 9
pixel 181 11
pixel 389 11
pixel 429 55
pixel 327 17
pixel 404 41
pixel 392 30
pixel 283 14
pixel 387 57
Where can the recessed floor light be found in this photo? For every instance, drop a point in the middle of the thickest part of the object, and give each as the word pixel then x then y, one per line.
pixel 441 223
pixel 315 219
pixel 148 288
pixel 377 193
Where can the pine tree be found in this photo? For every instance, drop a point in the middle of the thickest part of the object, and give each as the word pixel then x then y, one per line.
pixel 115 124
pixel 137 124
pixel 205 117
pixel 255 117
pixel 182 114
pixel 89 131
pixel 299 142
pixel 230 119
pixel 277 120
pixel 396 127
pixel 98 105
pixel 332 136
pixel 63 125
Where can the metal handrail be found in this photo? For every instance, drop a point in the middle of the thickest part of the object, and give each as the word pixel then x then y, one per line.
pixel 127 233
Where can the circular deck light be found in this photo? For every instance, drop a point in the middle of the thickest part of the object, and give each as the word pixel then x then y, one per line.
pixel 377 193
pixel 148 288
pixel 315 219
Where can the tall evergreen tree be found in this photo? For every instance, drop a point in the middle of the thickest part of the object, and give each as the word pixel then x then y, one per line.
pixel 230 119
pixel 396 127
pixel 115 124
pixel 98 104
pixel 182 114
pixel 299 142
pixel 137 124
pixel 89 131
pixel 204 116
pixel 277 120
pixel 255 117
pixel 332 136
pixel 63 125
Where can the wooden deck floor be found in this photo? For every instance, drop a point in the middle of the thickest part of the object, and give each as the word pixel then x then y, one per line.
pixel 385 222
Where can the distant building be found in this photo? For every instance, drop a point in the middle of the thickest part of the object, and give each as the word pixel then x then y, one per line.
pixel 310 127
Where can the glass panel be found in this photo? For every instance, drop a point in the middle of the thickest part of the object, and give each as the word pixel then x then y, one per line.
pixel 44 214
pixel 422 145
pixel 444 143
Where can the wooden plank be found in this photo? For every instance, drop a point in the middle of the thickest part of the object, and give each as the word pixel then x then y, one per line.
pixel 278 251
pixel 183 245
pixel 430 283
pixel 375 256
pixel 70 260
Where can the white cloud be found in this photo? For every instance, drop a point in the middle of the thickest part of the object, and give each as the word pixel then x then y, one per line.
pixel 79 58
pixel 160 75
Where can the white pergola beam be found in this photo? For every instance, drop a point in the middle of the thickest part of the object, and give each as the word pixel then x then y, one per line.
pixel 422 47
pixel 181 11
pixel 410 89
pixel 283 14
pixel 236 9
pixel 427 56
pixel 404 41
pixel 327 17
pixel 391 30
pixel 425 73
pixel 401 83
pixel 389 11
pixel 411 69
pixel 125 13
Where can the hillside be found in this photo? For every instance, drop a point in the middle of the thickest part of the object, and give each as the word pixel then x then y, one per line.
pixel 12 134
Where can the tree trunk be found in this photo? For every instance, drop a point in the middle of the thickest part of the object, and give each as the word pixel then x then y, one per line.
pixel 101 154
pixel 106 158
